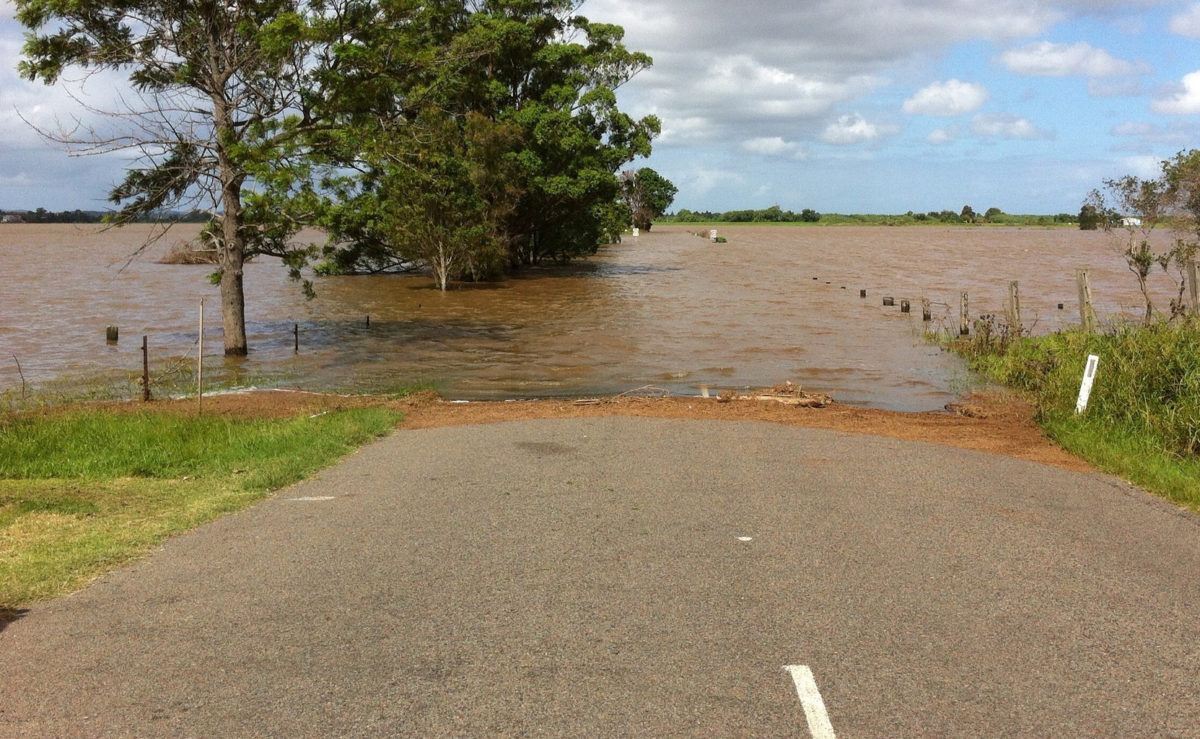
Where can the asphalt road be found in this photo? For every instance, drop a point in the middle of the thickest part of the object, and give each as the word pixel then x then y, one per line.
pixel 639 577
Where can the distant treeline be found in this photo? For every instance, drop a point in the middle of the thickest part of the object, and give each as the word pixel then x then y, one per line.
pixel 775 214
pixel 41 215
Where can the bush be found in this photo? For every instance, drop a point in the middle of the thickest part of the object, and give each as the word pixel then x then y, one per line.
pixel 1148 381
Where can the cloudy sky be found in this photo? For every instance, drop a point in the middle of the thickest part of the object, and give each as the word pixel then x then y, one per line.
pixel 879 107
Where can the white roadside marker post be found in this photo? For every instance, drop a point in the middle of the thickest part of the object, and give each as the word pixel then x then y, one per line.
pixel 1085 389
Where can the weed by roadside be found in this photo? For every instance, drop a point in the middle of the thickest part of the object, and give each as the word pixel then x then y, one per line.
pixel 1143 417
pixel 84 490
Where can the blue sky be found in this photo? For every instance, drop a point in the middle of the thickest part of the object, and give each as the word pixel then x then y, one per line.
pixel 889 106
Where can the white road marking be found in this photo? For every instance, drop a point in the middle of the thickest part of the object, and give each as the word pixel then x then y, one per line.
pixel 814 707
pixel 312 499
pixel 745 538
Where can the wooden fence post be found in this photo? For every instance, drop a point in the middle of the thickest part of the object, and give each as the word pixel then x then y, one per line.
pixel 1193 275
pixel 145 369
pixel 1014 308
pixel 1087 312
pixel 964 316
pixel 200 362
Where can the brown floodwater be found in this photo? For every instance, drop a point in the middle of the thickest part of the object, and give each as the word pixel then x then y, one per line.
pixel 666 309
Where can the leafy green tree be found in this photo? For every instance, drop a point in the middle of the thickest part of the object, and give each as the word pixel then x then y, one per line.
pixel 507 108
pixel 808 215
pixel 1139 205
pixel 968 214
pixel 647 195
pixel 1136 206
pixel 222 89
pixel 1181 176
pixel 1090 218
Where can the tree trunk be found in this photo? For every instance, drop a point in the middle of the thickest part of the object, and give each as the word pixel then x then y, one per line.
pixel 233 299
pixel 1145 288
pixel 233 246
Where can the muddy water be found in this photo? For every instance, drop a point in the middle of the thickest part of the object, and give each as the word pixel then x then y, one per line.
pixel 666 309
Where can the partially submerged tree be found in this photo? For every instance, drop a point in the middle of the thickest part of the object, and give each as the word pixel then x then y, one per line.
pixel 222 89
pixel 1138 206
pixel 647 195
pixel 505 107
pixel 1090 219
pixel 1181 175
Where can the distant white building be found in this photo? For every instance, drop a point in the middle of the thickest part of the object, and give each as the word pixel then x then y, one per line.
pixel 11 218
pixel 1131 222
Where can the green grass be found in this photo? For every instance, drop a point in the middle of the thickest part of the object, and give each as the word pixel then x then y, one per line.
pixel 1138 458
pixel 84 491
pixel 1143 418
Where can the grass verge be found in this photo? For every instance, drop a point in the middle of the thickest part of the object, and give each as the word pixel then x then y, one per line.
pixel 1143 418
pixel 82 491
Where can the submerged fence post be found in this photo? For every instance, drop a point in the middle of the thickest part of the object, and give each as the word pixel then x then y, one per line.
pixel 296 336
pixel 1193 275
pixel 964 316
pixel 1087 312
pixel 200 363
pixel 926 310
pixel 112 334
pixel 145 369
pixel 1014 308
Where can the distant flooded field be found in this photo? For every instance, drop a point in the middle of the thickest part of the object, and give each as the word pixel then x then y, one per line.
pixel 667 309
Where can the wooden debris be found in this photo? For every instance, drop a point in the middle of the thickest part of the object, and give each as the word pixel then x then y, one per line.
pixel 966 409
pixel 787 394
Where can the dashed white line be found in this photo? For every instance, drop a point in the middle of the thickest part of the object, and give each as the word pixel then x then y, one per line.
pixel 814 707
pixel 312 499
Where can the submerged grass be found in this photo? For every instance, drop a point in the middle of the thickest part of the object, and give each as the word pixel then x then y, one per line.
pixel 82 491
pixel 1143 417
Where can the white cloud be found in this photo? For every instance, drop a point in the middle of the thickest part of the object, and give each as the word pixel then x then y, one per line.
pixel 943 136
pixel 1046 59
pixel 1133 128
pixel 703 180
pixel 1115 87
pixel 769 91
pixel 1005 126
pixel 774 146
pixel 952 97
pixel 20 179
pixel 1187 23
pixel 1142 166
pixel 780 68
pixel 684 130
pixel 1181 99
pixel 854 129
